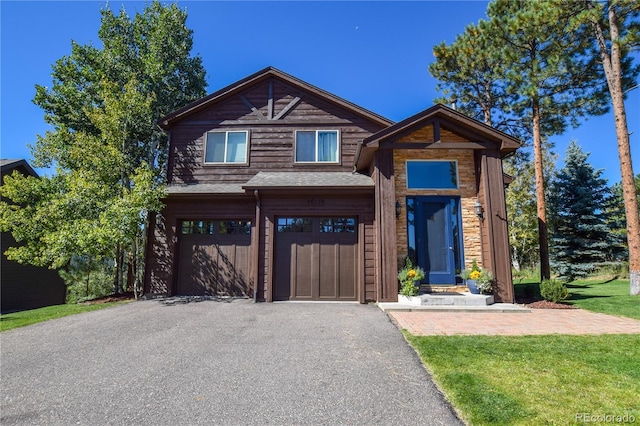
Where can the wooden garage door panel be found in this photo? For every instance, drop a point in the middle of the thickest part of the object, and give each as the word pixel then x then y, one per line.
pixel 314 265
pixel 195 265
pixel 347 271
pixel 232 266
pixel 214 265
pixel 302 270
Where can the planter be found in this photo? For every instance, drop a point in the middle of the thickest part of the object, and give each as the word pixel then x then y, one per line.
pixel 471 285
pixel 409 300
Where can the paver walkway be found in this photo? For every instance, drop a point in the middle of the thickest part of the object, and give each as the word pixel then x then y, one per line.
pixel 538 321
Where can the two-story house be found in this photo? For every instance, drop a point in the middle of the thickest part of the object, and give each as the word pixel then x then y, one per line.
pixel 279 190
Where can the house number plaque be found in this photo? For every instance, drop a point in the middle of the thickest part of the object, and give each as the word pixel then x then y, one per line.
pixel 315 202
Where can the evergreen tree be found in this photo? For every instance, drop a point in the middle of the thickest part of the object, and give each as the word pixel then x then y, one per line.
pixel 581 238
pixel 529 62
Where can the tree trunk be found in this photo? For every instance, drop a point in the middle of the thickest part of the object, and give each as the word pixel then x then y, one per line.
pixel 613 71
pixel 543 240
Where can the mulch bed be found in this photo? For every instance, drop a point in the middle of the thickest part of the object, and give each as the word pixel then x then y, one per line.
pixel 111 298
pixel 545 304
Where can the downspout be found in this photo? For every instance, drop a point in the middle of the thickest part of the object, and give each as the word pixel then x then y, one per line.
pixel 256 248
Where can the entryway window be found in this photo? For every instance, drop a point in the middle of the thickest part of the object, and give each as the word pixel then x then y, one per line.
pixel 432 174
pixel 319 146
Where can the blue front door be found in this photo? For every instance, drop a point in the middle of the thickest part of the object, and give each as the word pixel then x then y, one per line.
pixel 435 223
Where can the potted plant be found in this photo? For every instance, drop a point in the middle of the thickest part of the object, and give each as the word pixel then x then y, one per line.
pixel 477 279
pixel 408 276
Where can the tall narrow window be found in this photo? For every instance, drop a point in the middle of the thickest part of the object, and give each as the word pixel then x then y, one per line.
pixel 319 146
pixel 226 147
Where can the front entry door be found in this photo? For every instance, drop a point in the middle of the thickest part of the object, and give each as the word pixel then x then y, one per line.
pixel 436 237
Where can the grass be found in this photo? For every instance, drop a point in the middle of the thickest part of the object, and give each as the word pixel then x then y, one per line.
pixel 606 296
pixel 535 379
pixel 24 318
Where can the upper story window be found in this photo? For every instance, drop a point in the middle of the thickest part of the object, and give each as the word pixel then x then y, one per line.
pixel 437 174
pixel 226 147
pixel 317 146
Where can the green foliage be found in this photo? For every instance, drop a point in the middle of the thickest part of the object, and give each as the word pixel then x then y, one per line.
pixel 87 278
pixel 581 237
pixel 407 276
pixel 109 152
pixel 616 220
pixel 553 290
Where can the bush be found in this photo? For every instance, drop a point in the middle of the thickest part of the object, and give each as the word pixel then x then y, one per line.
pixel 553 291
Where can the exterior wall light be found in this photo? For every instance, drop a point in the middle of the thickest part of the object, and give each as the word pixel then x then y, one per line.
pixel 479 210
pixel 398 209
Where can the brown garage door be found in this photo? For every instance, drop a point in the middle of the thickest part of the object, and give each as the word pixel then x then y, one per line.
pixel 214 258
pixel 316 259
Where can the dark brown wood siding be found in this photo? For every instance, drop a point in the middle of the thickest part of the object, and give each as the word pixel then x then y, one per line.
pixel 387 286
pixel 271 142
pixel 28 287
pixel 495 236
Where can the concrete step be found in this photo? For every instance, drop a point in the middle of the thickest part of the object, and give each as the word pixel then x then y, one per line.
pixel 448 299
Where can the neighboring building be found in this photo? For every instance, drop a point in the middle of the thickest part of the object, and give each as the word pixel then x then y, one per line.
pixel 282 191
pixel 25 287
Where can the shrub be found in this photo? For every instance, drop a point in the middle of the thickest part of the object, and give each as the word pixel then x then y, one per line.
pixel 553 291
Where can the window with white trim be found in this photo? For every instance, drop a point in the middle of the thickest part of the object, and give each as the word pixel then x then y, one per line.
pixel 226 147
pixel 317 146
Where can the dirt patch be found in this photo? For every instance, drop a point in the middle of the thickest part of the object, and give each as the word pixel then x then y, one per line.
pixel 545 304
pixel 111 298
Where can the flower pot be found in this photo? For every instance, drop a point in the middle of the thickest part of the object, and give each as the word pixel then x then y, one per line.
pixel 471 285
pixel 409 300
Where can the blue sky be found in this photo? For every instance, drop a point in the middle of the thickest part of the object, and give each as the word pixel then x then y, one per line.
pixel 375 54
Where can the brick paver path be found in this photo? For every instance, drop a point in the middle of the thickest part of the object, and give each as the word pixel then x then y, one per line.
pixel 538 321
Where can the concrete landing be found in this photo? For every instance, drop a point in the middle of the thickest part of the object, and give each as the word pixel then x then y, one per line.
pixel 448 299
pixel 449 302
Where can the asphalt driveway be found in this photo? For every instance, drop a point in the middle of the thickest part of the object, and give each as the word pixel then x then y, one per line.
pixel 212 362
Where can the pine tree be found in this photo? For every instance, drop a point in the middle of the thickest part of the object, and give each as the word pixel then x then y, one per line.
pixel 581 238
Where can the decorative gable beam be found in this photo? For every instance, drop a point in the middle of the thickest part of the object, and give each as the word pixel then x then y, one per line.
pixel 255 110
pixel 286 109
pixel 436 131
pixel 270 102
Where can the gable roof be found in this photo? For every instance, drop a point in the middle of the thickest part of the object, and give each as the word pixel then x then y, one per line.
pixel 444 113
pixel 270 72
pixel 7 166
pixel 445 117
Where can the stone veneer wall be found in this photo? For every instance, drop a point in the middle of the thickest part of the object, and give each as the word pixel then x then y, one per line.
pixel 466 192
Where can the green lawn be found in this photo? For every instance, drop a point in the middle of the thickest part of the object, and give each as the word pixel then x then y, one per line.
pixel 533 380
pixel 609 297
pixel 605 296
pixel 23 318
